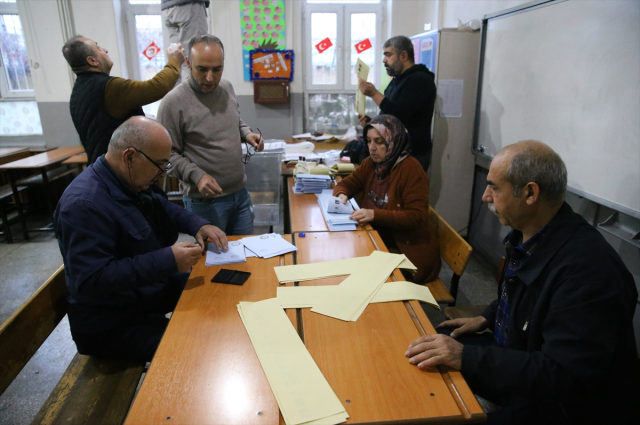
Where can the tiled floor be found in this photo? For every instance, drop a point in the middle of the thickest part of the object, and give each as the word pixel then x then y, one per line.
pixel 24 266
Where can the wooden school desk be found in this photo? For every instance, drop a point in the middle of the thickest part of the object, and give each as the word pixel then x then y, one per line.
pixel 39 162
pixel 10 151
pixel 206 370
pixel 304 214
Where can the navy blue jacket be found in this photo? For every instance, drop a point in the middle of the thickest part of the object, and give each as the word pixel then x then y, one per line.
pixel 116 263
pixel 571 350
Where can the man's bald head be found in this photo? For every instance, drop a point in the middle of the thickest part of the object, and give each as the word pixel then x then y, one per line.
pixel 534 161
pixel 138 132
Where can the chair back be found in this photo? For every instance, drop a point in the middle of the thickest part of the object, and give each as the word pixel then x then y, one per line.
pixel 454 250
pixel 25 331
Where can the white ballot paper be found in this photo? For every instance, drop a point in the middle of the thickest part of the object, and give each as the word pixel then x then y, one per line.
pixel 235 254
pixel 362 71
pixel 335 206
pixel 268 245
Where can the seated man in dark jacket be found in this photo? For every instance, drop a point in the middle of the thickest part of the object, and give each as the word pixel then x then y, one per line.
pixel 563 347
pixel 117 233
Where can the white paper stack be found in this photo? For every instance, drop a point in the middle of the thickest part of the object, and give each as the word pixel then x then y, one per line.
pixel 268 245
pixel 312 183
pixel 336 222
pixel 235 254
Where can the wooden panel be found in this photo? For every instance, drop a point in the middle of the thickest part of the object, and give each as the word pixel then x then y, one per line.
pixel 364 361
pixel 43 159
pixel 23 333
pixel 13 154
pixel 80 158
pixel 453 248
pixel 206 370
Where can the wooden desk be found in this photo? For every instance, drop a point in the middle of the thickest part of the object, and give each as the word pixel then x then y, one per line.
pixel 79 159
pixel 364 361
pixel 37 162
pixel 206 370
pixel 8 151
pixel 304 214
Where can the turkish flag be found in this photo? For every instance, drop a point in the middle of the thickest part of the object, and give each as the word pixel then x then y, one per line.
pixel 151 51
pixel 363 45
pixel 324 45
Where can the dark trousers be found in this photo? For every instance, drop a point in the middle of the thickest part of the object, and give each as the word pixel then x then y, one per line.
pixel 424 159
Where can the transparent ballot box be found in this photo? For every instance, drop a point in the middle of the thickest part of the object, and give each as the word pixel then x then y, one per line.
pixel 263 183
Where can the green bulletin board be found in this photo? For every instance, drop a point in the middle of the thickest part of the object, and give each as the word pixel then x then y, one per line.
pixel 262 26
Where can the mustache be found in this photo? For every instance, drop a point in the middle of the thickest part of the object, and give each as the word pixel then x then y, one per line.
pixel 492 207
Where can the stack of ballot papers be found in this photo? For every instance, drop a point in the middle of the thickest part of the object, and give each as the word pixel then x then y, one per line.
pixel 311 183
pixel 235 254
pixel 337 222
pixel 302 392
pixel 267 245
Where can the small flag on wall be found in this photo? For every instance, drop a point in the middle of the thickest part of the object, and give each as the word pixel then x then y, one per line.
pixel 363 45
pixel 151 51
pixel 324 45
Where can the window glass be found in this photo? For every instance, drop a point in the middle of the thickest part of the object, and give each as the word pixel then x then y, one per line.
pixel 335 113
pixel 15 61
pixel 324 65
pixel 144 1
pixel 343 1
pixel 149 30
pixel 363 26
pixel 19 118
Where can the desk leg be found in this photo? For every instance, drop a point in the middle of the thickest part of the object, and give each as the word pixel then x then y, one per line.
pixel 16 197
pixel 47 193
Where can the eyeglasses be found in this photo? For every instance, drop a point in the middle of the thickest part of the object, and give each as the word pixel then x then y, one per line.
pixel 162 170
pixel 250 149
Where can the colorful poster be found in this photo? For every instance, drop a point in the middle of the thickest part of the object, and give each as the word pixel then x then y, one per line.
pixel 262 26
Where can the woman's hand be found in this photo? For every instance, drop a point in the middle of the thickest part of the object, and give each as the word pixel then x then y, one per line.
pixel 343 198
pixel 362 216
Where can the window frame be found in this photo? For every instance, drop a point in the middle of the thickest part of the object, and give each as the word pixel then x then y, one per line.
pixel 6 94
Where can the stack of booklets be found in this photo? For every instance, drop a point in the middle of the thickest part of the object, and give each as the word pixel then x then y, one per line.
pixel 311 183
pixel 268 245
pixel 337 222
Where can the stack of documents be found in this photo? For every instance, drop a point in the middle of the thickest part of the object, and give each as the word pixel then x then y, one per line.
pixel 337 222
pixel 311 183
pixel 235 254
pixel 302 392
pixel 268 245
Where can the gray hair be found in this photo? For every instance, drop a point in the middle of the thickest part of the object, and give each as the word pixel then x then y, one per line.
pixel 76 52
pixel 542 166
pixel 400 44
pixel 129 134
pixel 206 39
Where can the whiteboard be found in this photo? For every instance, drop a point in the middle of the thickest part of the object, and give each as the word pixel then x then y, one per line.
pixel 568 74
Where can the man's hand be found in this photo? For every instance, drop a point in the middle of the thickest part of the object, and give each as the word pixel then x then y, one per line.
pixel 465 325
pixel 216 236
pixel 364 119
pixel 176 53
pixel 366 88
pixel 362 216
pixel 344 198
pixel 187 255
pixel 208 186
pixel 434 350
pixel 256 141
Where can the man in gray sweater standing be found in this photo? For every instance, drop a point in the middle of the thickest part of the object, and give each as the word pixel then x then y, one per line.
pixel 203 119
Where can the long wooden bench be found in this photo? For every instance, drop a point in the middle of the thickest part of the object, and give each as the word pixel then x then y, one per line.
pixel 92 390
pixel 455 251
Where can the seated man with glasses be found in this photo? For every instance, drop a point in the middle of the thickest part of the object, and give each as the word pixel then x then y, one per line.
pixel 117 233
pixel 202 117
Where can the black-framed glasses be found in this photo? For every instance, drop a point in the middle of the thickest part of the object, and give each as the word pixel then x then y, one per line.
pixel 250 149
pixel 162 170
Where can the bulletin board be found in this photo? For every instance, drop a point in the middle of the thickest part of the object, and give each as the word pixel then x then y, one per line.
pixel 271 64
pixel 262 25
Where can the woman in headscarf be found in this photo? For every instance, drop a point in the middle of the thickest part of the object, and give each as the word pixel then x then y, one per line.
pixel 396 197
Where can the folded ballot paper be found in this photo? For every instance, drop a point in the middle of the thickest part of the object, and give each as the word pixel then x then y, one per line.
pixel 268 245
pixel 235 254
pixel 337 222
pixel 311 183
pixel 335 206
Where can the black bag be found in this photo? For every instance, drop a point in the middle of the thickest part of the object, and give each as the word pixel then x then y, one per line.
pixel 356 150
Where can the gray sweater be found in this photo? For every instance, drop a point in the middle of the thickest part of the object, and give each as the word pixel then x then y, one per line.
pixel 206 132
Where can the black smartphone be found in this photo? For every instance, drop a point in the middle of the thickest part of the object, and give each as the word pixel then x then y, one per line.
pixel 232 277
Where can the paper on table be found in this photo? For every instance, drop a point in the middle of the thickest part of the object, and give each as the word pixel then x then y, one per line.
pixel 235 254
pixel 248 253
pixel 450 94
pixel 268 245
pixel 302 147
pixel 302 136
pixel 335 206
pixel 326 269
pixel 344 168
pixel 362 71
pixel 307 296
pixel 302 392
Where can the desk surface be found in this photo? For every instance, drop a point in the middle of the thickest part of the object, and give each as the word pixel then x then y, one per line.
pixel 9 151
pixel 206 370
pixel 305 214
pixel 43 159
pixel 80 158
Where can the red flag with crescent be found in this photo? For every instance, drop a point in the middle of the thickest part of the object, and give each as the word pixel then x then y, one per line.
pixel 151 50
pixel 363 45
pixel 324 45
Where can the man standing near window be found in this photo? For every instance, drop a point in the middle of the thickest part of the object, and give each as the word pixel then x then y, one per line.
pixel 100 103
pixel 410 97
pixel 203 119
pixel 184 20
